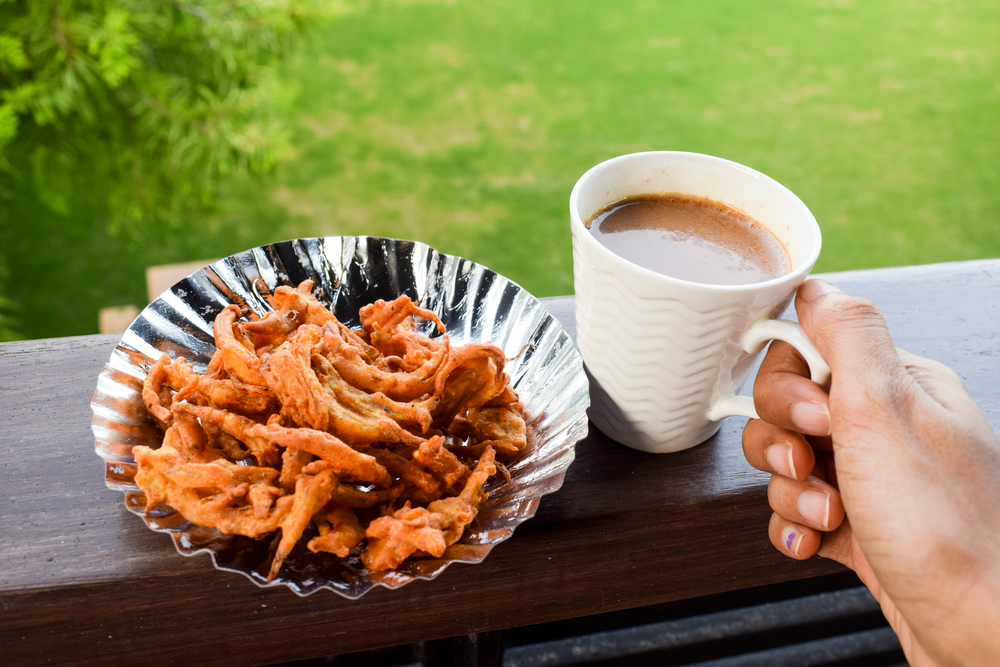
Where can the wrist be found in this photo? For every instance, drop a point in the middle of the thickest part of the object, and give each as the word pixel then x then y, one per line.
pixel 964 629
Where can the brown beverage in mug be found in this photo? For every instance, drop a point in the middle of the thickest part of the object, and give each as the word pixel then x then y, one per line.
pixel 691 238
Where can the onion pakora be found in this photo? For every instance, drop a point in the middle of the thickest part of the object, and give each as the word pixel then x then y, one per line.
pixel 382 439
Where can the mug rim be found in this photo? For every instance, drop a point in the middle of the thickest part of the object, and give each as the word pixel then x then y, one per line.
pixel 794 276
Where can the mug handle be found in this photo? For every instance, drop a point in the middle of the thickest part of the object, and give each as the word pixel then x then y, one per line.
pixel 753 341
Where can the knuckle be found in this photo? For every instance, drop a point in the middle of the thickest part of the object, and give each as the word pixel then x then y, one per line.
pixel 764 393
pixel 930 369
pixel 848 308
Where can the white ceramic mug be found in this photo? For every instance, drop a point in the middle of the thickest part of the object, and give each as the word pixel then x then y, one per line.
pixel 666 357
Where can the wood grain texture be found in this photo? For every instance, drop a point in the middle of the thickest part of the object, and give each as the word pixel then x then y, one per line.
pixel 83 581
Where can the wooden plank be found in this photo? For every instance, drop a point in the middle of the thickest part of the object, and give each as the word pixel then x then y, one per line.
pixel 83 581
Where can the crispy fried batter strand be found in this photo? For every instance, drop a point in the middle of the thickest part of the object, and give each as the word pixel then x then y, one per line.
pixel 216 494
pixel 361 417
pixel 340 456
pixel 458 512
pixel 502 425
pixel 472 375
pixel 237 426
pixel 442 463
pixel 385 420
pixel 393 539
pixel 291 377
pixel 238 358
pixel 311 493
pixel 151 388
pixel 384 315
pixel 339 532
pixel 361 366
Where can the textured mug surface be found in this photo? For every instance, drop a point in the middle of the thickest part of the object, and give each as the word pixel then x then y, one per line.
pixel 659 351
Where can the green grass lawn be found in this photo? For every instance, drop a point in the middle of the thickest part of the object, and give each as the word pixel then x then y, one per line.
pixel 465 125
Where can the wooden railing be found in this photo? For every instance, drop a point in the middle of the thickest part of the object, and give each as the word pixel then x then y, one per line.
pixel 82 580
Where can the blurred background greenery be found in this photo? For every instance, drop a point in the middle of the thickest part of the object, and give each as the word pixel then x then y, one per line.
pixel 464 125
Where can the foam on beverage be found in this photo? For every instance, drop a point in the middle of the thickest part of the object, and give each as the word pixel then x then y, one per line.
pixel 691 238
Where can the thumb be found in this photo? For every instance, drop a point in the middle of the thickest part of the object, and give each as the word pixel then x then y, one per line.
pixel 852 337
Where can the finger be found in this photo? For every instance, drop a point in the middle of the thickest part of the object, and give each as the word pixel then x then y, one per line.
pixel 839 545
pixel 852 337
pixel 784 395
pixel 776 450
pixel 792 539
pixel 811 502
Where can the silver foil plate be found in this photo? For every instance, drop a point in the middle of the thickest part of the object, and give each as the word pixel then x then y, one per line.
pixel 475 304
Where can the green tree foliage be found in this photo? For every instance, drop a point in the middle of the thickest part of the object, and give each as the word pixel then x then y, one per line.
pixel 156 100
pixel 6 322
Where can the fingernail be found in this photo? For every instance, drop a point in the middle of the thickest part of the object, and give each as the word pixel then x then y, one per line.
pixel 814 506
pixel 815 288
pixel 791 537
pixel 779 457
pixel 811 418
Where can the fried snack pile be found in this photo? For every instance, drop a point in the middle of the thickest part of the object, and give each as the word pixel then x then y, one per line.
pixel 383 434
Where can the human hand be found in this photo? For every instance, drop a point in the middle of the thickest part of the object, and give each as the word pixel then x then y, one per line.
pixel 892 470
